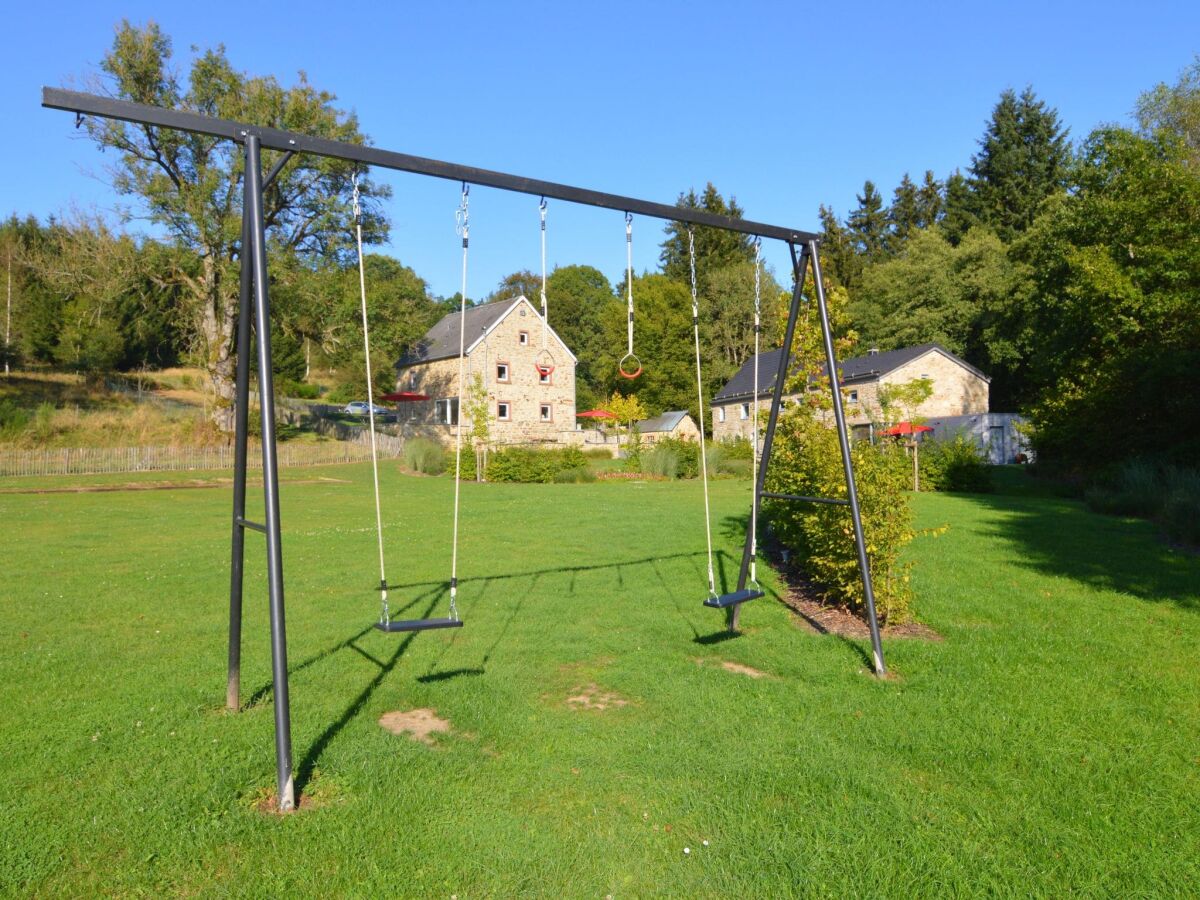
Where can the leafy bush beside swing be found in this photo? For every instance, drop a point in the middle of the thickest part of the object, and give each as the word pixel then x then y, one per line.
pixel 806 460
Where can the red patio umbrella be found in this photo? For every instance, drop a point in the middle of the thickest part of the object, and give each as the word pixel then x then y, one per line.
pixel 404 397
pixel 906 428
pixel 595 414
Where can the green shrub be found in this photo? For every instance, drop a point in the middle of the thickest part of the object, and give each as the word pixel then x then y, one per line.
pixel 1137 488
pixel 426 456
pixel 1180 515
pixel 739 468
pixel 42 425
pixel 299 389
pixel 737 448
pixel 807 461
pixel 529 465
pixel 580 475
pixel 660 461
pixel 954 465
pixel 598 453
pixel 13 419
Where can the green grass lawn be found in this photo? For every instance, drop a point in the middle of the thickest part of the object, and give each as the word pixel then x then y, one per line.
pixel 1046 746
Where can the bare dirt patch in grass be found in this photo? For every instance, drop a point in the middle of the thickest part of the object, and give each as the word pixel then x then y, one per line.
pixel 418 724
pixel 591 696
pixel 736 667
pixel 804 599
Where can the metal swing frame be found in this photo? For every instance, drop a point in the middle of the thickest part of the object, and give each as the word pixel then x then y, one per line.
pixel 254 317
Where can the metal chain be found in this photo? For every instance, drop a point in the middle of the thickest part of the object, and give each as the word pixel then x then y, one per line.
pixel 712 581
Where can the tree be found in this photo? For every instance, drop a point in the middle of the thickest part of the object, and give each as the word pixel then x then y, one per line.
pixel 728 316
pixel 900 402
pixel 929 202
pixel 1111 320
pixel 1023 158
pixel 479 411
pixel 868 223
pixel 524 283
pixel 190 184
pixel 664 342
pixel 1174 110
pixel 626 409
pixel 959 214
pixel 839 257
pixel 904 214
pixel 715 247
pixel 580 300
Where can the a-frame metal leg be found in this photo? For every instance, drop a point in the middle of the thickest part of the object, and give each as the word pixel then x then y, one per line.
pixel 266 393
pixel 798 267
pixel 241 402
pixel 839 416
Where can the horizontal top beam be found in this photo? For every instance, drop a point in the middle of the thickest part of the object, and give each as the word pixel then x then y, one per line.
pixel 276 139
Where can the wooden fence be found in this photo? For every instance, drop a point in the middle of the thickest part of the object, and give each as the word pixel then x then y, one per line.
pixel 103 460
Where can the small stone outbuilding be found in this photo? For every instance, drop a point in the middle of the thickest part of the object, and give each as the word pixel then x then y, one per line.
pixel 675 424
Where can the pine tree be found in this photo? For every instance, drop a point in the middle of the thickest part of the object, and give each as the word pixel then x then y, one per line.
pixel 716 248
pixel 903 216
pixel 959 215
pixel 868 223
pixel 840 261
pixel 930 206
pixel 1022 159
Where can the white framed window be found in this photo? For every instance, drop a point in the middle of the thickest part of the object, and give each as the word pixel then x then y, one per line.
pixel 447 411
pixel 502 372
pixel 523 338
pixel 546 412
pixel 745 410
pixel 545 377
pixel 503 411
pixel 852 396
pixel 720 414
pixel 412 381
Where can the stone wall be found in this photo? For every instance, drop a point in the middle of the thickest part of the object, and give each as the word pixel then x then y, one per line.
pixel 523 390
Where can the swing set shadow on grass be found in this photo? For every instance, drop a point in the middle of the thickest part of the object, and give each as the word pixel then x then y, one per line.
pixel 430 597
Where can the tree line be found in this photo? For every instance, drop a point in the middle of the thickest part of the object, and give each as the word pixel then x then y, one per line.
pixel 1069 273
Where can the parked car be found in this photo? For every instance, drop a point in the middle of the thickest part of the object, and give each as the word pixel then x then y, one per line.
pixel 361 407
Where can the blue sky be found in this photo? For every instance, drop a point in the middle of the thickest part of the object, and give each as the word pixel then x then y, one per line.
pixel 784 105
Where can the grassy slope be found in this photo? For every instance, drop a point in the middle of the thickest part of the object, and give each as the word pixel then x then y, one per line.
pixel 1048 743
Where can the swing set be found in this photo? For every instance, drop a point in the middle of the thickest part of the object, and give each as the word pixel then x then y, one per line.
pixel 254 303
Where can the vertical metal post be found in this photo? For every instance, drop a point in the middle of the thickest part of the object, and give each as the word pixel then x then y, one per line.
pixel 839 416
pixel 266 393
pixel 241 403
pixel 798 266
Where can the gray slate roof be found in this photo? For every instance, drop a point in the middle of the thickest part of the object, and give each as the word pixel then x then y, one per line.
pixel 441 341
pixel 858 368
pixel 668 421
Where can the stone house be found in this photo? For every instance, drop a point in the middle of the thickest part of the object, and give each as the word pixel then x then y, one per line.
pixel 959 389
pixel 674 424
pixel 503 342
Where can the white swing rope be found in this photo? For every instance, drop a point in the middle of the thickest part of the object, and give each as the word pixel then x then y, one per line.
pixel 754 460
pixel 629 281
pixel 712 581
pixel 463 228
pixel 384 613
pixel 545 311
